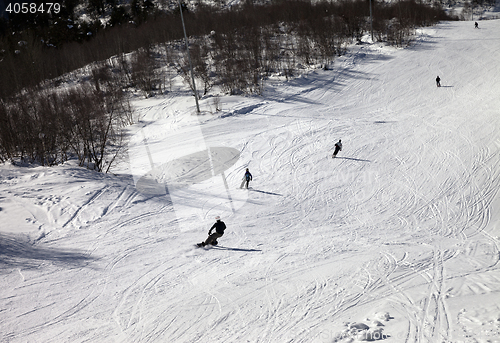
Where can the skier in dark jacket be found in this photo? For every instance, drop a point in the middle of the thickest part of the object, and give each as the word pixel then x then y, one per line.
pixel 338 147
pixel 219 227
pixel 438 81
pixel 247 178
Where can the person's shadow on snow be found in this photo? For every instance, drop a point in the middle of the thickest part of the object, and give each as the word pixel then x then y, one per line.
pixel 269 193
pixel 234 249
pixel 352 159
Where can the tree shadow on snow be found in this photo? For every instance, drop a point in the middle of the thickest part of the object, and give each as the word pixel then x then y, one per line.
pixel 424 45
pixel 16 252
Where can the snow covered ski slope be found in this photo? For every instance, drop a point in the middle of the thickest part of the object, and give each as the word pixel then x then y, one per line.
pixel 396 238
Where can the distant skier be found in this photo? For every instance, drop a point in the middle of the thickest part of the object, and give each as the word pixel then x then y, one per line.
pixel 338 147
pixel 438 81
pixel 246 179
pixel 476 25
pixel 219 227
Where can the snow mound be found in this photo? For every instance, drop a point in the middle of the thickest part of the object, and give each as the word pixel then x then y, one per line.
pixel 358 327
pixel 382 316
pixel 359 331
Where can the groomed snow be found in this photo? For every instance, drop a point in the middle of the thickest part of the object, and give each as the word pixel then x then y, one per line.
pixel 397 238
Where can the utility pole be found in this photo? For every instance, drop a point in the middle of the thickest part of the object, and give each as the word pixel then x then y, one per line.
pixel 189 58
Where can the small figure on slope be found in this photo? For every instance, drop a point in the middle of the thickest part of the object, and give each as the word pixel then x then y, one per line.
pixel 476 25
pixel 438 81
pixel 246 179
pixel 338 147
pixel 219 227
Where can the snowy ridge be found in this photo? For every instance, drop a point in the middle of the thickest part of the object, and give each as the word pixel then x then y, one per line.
pixel 396 239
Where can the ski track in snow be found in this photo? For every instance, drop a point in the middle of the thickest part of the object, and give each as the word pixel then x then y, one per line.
pixel 402 222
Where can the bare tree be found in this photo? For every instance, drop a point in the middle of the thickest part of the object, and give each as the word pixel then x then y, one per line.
pixel 144 71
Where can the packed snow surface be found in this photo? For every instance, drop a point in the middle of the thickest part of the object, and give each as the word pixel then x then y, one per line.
pixel 397 238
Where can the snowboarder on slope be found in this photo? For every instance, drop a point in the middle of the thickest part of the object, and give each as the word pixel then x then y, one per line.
pixel 219 227
pixel 438 81
pixel 338 147
pixel 247 178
